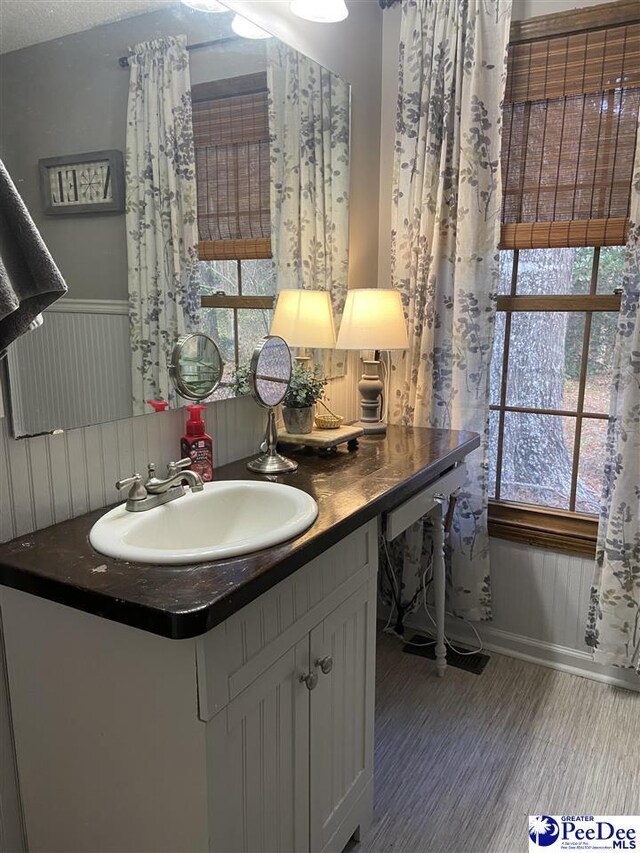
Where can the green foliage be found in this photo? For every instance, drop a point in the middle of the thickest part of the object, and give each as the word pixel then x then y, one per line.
pixel 307 386
pixel 240 381
pixel 603 324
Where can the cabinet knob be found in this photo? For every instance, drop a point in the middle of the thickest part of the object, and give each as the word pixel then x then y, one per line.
pixel 310 679
pixel 325 664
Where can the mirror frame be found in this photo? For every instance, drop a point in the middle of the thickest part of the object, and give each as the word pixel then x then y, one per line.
pixel 253 370
pixel 175 372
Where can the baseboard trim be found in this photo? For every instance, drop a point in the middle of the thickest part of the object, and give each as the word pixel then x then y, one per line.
pixel 551 655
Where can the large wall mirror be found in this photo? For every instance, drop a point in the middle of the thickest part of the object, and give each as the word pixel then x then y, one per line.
pixel 180 174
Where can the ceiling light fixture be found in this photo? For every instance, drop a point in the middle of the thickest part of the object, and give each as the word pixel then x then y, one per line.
pixel 205 5
pixel 320 11
pixel 247 29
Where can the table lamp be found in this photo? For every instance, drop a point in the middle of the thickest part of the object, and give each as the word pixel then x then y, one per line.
pixel 304 318
pixel 373 319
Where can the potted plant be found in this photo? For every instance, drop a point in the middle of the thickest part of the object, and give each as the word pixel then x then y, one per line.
pixel 307 386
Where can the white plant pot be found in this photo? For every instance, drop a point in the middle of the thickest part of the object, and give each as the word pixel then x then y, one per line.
pixel 298 421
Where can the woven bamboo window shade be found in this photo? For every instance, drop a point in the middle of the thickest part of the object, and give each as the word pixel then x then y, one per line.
pixel 231 138
pixel 570 124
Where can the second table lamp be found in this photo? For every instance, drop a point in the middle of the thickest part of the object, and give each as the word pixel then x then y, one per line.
pixel 373 319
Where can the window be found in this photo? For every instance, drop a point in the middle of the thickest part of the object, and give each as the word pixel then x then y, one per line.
pixel 570 121
pixel 231 139
pixel 237 304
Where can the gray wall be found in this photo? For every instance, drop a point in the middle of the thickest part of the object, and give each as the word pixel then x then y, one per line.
pixel 69 96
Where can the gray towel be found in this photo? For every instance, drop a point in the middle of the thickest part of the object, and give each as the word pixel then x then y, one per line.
pixel 29 279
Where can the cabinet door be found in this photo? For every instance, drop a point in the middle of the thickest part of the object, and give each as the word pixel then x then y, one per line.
pixel 258 762
pixel 342 720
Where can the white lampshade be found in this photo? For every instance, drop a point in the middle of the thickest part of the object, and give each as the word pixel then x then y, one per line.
pixel 304 319
pixel 247 29
pixel 373 319
pixel 205 5
pixel 320 11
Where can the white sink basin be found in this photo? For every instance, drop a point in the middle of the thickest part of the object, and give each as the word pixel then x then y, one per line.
pixel 227 519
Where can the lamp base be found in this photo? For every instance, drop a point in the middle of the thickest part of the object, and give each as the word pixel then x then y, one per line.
pixel 378 428
pixel 370 388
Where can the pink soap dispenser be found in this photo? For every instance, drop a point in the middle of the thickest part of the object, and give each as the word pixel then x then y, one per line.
pixel 197 445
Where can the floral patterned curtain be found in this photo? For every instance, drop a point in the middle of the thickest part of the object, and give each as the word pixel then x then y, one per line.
pixel 446 224
pixel 162 235
pixel 613 628
pixel 309 112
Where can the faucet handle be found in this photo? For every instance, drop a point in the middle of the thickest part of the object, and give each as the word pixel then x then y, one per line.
pixel 137 492
pixel 174 467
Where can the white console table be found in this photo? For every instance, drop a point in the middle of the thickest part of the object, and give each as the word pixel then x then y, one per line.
pixel 430 501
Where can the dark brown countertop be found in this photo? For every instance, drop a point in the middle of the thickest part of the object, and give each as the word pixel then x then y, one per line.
pixel 58 562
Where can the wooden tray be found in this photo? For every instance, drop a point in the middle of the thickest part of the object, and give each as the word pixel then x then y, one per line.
pixel 324 441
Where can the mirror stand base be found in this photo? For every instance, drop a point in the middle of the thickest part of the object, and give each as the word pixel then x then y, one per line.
pixel 272 463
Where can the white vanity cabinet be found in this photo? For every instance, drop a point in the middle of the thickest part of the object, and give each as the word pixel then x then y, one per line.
pixel 257 736
pixel 291 767
pixel 290 761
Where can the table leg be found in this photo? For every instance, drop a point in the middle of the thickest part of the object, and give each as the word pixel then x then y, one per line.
pixel 439 577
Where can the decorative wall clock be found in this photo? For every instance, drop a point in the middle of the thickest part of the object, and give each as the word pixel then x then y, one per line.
pixel 83 183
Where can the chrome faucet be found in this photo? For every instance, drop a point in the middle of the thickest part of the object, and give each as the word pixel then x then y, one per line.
pixel 143 496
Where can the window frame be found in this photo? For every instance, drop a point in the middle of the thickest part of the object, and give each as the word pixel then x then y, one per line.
pixel 249 249
pixel 541 526
pixel 237 303
pixel 533 524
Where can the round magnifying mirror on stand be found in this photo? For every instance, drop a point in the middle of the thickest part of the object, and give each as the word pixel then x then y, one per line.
pixel 196 366
pixel 269 378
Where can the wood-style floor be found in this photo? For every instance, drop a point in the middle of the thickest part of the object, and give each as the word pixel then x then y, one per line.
pixel 462 761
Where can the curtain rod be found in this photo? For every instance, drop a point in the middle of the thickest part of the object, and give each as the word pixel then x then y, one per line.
pixel 123 62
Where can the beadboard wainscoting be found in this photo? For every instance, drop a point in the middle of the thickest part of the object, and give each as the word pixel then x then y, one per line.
pixel 49 478
pixel 75 369
pixel 540 603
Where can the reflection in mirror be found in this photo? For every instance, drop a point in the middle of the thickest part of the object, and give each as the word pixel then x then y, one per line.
pixel 236 185
pixel 269 380
pixel 270 372
pixel 196 366
pixel 309 119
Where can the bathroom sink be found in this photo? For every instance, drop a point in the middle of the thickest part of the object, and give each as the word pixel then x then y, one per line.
pixel 227 519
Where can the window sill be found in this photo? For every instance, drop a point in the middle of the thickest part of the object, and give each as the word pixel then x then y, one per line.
pixel 543 527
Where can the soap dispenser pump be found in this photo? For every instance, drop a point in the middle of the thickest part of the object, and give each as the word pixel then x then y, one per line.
pixel 197 445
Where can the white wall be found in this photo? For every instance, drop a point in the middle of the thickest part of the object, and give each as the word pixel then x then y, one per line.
pixel 540 602
pixel 390 41
pixel 523 9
